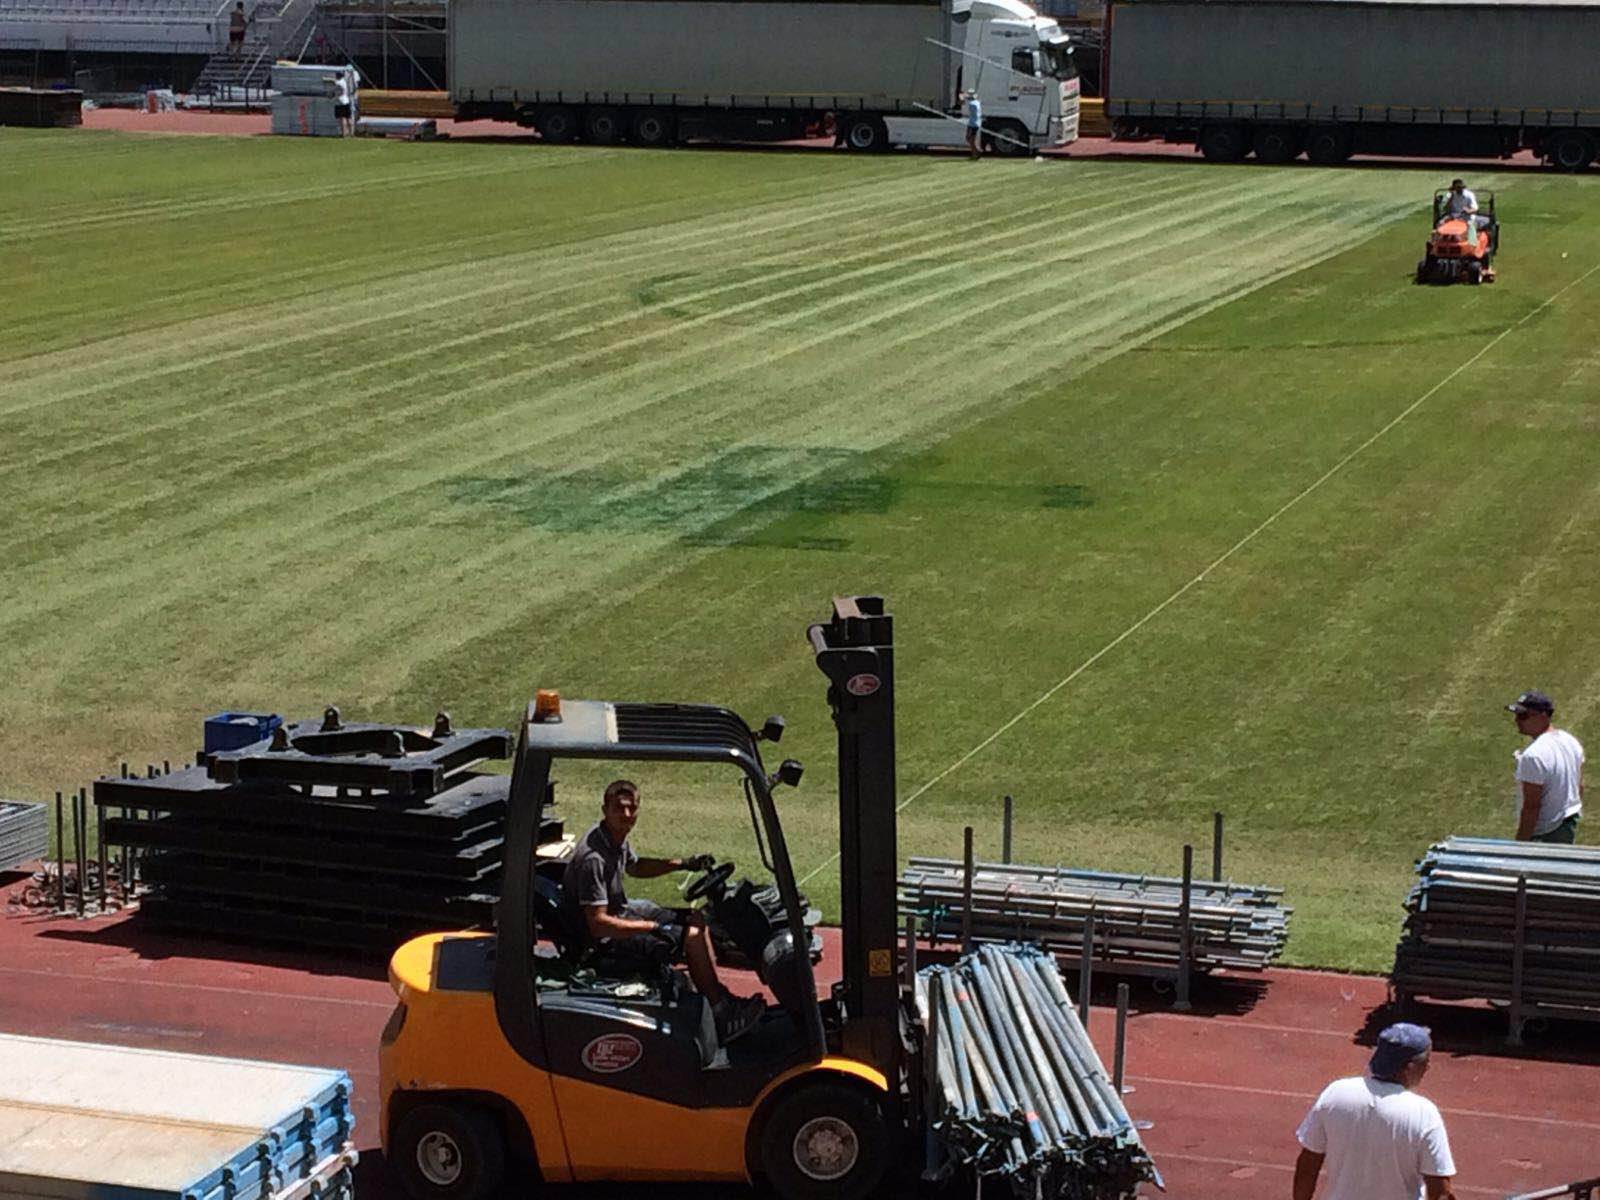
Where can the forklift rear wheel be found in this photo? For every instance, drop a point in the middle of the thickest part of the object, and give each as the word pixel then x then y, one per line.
pixel 825 1142
pixel 445 1152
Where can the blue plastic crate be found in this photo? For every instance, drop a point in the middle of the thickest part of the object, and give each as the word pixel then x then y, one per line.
pixel 235 730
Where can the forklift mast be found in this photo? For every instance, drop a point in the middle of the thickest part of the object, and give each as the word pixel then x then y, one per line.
pixel 855 650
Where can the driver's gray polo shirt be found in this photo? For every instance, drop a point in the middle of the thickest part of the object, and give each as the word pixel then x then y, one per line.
pixel 594 876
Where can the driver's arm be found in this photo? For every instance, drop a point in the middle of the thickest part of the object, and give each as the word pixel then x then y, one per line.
pixel 650 868
pixel 607 925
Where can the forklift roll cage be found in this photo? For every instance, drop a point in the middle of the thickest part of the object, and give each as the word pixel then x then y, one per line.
pixel 592 729
pixel 855 650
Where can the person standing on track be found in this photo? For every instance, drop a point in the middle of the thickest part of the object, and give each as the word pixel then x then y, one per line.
pixel 1377 1137
pixel 1549 773
pixel 972 108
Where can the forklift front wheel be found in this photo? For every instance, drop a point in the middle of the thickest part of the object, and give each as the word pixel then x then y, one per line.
pixel 825 1142
pixel 446 1152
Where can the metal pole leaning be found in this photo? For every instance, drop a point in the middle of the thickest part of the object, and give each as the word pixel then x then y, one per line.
pixel 1119 1056
pixel 1519 945
pixel 61 857
pixel 80 835
pixel 100 839
pixel 1086 969
pixel 1185 934
pixel 966 891
pixel 1005 833
pixel 1216 847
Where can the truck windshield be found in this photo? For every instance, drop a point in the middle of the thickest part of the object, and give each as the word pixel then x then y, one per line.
pixel 1058 62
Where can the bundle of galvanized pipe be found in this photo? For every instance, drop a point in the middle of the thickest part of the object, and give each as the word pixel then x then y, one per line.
pixel 1138 919
pixel 24 834
pixel 1461 930
pixel 1017 1090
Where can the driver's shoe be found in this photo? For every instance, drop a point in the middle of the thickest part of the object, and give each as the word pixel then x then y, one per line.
pixel 737 1015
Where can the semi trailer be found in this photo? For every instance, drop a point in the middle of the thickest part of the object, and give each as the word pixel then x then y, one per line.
pixel 1332 78
pixel 661 72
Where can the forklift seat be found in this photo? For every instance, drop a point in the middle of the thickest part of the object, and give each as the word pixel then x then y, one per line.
pixel 551 921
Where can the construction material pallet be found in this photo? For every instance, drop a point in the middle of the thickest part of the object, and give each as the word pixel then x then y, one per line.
pixel 1514 923
pixel 24 833
pixel 334 833
pixel 88 1122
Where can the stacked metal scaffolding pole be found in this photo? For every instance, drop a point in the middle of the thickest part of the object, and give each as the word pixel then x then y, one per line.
pixel 1138 919
pixel 1508 921
pixel 1019 1091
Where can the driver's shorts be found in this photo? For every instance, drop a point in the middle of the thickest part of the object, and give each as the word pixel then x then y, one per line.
pixel 663 946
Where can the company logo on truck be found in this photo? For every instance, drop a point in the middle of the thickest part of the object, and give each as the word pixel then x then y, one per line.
pixel 612 1052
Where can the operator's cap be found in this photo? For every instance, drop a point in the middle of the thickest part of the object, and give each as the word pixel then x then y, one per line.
pixel 1398 1045
pixel 1532 702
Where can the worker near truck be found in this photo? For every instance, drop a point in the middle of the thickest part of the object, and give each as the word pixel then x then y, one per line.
pixel 972 109
pixel 1549 773
pixel 1377 1137
pixel 599 915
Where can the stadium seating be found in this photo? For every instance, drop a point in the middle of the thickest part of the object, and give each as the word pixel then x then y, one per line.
pixel 174 26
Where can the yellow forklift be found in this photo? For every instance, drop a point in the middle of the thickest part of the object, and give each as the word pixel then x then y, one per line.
pixel 511 1059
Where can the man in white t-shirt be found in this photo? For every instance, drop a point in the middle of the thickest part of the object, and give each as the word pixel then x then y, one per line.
pixel 1549 773
pixel 1378 1139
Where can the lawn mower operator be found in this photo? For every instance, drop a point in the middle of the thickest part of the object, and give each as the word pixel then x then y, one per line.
pixel 598 912
pixel 1464 204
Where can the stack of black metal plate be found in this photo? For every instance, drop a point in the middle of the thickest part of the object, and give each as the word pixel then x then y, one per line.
pixel 327 833
pixel 1508 921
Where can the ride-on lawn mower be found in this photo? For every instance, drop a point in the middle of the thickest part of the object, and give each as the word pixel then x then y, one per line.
pixel 1458 250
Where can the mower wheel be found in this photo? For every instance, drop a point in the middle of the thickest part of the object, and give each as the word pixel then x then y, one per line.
pixel 448 1152
pixel 827 1141
pixel 1422 271
pixel 1328 145
pixel 1570 150
pixel 1474 274
pixel 1224 143
pixel 1277 143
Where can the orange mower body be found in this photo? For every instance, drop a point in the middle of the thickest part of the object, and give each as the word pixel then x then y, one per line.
pixel 1460 249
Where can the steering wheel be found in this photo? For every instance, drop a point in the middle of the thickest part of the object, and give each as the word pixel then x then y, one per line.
pixel 709 882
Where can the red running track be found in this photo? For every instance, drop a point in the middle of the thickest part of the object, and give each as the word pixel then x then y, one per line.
pixel 1223 1087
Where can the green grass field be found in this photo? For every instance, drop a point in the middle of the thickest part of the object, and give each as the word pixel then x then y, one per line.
pixel 1168 471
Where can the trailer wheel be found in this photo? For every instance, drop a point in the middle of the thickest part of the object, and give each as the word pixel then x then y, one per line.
pixel 1328 145
pixel 866 135
pixel 827 1141
pixel 448 1152
pixel 653 127
pixel 558 124
pixel 603 126
pixel 1277 143
pixel 1224 143
pixel 1570 150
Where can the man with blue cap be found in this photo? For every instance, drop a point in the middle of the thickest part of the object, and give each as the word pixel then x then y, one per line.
pixel 1377 1137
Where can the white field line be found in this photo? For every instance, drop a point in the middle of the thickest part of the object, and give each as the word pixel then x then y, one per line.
pixel 1222 558
pixel 607 383
pixel 429 350
pixel 510 272
pixel 568 578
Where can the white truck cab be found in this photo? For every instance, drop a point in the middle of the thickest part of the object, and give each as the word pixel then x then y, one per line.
pixel 1020 67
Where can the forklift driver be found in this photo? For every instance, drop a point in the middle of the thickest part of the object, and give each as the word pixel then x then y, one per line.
pixel 598 913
